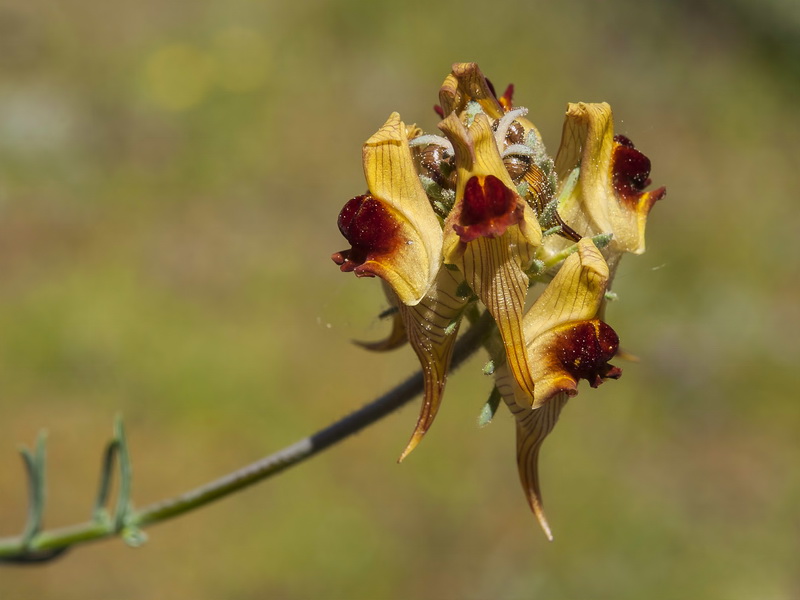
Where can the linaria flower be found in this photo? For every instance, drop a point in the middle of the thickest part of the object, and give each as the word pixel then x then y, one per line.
pixel 472 219
pixel 566 343
pixel 603 180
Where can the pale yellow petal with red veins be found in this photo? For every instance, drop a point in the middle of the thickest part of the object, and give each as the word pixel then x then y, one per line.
pixel 609 195
pixel 491 235
pixel 466 84
pixel 393 230
pixel 432 326
pixel 533 426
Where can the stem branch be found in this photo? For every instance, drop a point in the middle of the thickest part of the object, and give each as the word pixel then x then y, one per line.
pixel 46 545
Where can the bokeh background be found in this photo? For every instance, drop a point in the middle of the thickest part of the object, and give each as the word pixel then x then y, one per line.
pixel 170 176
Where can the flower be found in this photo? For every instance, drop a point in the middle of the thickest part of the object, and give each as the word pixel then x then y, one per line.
pixel 603 179
pixel 393 231
pixel 472 219
pixel 566 343
pixel 491 234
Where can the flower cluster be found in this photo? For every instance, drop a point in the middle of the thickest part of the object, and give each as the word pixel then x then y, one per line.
pixel 472 219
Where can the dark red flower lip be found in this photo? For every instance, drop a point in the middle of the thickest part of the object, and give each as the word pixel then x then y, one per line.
pixel 630 172
pixel 371 230
pixel 488 208
pixel 585 350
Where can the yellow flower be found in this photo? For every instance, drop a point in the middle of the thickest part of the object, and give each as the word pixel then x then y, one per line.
pixel 393 232
pixel 603 179
pixel 491 234
pixel 566 343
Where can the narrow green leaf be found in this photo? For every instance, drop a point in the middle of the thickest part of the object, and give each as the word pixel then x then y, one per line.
pixel 123 499
pixel 100 511
pixel 488 410
pixel 35 470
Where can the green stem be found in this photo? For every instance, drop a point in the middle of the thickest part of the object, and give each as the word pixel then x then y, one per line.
pixel 46 545
pixel 601 241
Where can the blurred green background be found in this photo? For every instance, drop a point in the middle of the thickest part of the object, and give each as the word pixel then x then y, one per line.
pixel 170 177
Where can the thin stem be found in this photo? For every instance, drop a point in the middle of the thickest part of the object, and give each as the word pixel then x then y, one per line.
pixel 49 544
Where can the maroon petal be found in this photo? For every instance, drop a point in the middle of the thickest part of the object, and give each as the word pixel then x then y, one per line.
pixel 489 208
pixel 585 349
pixel 630 170
pixel 371 230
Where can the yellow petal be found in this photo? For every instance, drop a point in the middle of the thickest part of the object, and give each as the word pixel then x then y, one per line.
pixel 495 275
pixel 609 196
pixel 574 294
pixel 432 327
pixel 465 84
pixel 393 230
pixel 476 151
